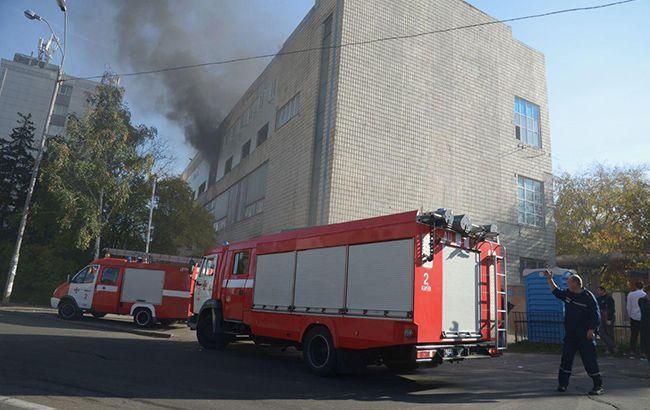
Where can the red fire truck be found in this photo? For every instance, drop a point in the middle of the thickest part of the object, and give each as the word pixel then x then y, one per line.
pixel 150 287
pixel 405 290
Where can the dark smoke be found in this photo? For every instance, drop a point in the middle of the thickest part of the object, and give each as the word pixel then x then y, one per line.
pixel 154 34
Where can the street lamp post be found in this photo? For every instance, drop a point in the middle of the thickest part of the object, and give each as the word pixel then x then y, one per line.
pixel 11 275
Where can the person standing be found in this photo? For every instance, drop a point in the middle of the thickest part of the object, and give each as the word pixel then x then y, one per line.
pixel 644 307
pixel 634 313
pixel 608 316
pixel 581 320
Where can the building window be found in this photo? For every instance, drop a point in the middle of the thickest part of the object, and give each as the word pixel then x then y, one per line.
pixel 530 198
pixel 228 166
pixel 60 109
pixel 262 134
pixel 246 149
pixel 65 90
pixel 219 225
pixel 201 188
pixel 530 263
pixel 287 111
pixel 527 127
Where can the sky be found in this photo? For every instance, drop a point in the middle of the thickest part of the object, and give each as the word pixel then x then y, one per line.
pixel 598 64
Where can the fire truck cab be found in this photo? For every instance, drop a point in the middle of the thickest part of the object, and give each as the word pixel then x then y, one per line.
pixel 404 290
pixel 149 291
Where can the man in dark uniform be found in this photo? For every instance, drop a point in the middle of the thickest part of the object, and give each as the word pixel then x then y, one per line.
pixel 581 319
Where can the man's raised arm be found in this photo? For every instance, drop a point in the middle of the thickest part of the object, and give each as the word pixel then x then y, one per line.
pixel 549 279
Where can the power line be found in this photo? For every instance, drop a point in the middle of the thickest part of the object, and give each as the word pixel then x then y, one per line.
pixel 361 43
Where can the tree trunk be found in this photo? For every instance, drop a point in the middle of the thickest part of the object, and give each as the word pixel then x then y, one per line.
pixel 98 238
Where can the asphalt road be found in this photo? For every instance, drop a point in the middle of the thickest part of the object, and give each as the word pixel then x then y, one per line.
pixel 98 363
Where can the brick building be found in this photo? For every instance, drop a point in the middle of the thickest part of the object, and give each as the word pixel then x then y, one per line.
pixel 457 120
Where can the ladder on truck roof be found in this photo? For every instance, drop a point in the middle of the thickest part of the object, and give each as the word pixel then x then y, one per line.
pixel 152 257
pixel 500 325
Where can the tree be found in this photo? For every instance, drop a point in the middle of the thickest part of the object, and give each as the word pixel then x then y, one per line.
pixel 93 170
pixel 16 163
pixel 180 225
pixel 603 218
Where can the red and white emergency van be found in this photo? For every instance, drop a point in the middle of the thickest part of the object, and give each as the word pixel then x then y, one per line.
pixel 405 290
pixel 150 287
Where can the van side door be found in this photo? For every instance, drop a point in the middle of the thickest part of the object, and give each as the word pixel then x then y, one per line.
pixel 107 295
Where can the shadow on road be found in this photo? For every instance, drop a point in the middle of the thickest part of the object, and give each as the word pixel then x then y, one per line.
pixel 151 369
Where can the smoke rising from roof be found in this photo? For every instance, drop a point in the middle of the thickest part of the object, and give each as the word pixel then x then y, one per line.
pixel 163 33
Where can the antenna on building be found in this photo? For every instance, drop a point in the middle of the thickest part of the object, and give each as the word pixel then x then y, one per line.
pixel 46 49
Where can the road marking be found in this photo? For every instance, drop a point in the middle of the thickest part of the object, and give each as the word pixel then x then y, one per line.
pixel 23 404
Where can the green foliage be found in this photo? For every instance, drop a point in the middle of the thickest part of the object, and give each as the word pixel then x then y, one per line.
pixel 604 212
pixel 180 225
pixel 96 181
pixel 16 163
pixel 93 169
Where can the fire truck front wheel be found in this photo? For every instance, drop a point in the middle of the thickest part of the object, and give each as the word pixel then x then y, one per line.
pixel 318 351
pixel 142 317
pixel 68 310
pixel 209 335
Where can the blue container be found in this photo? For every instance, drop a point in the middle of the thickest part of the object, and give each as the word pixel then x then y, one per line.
pixel 545 312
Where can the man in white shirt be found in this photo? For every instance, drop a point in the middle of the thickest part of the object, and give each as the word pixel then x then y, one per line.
pixel 634 312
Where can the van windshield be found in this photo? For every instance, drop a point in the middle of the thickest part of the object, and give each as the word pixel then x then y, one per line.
pixel 86 275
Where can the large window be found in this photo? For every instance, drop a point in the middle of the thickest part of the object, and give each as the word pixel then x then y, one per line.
pixel 530 198
pixel 527 128
pixel 287 111
pixel 242 200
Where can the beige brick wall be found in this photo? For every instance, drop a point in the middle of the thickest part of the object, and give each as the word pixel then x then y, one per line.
pixel 427 122
pixel 288 149
pixel 424 122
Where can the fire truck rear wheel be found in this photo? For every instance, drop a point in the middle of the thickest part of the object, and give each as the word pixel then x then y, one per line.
pixel 318 351
pixel 68 310
pixel 142 317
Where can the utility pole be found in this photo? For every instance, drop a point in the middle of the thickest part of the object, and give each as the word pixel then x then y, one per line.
pixel 151 205
pixel 13 267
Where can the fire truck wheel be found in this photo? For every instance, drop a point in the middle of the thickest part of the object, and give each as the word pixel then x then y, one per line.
pixel 98 315
pixel 207 337
pixel 318 351
pixel 142 317
pixel 68 310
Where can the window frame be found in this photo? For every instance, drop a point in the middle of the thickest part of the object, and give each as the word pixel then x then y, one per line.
pixel 245 149
pixel 111 269
pixel 523 128
pixel 236 263
pixel 521 185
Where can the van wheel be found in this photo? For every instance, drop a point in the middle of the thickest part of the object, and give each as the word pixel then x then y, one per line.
pixel 206 335
pixel 142 317
pixel 98 315
pixel 318 351
pixel 68 310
